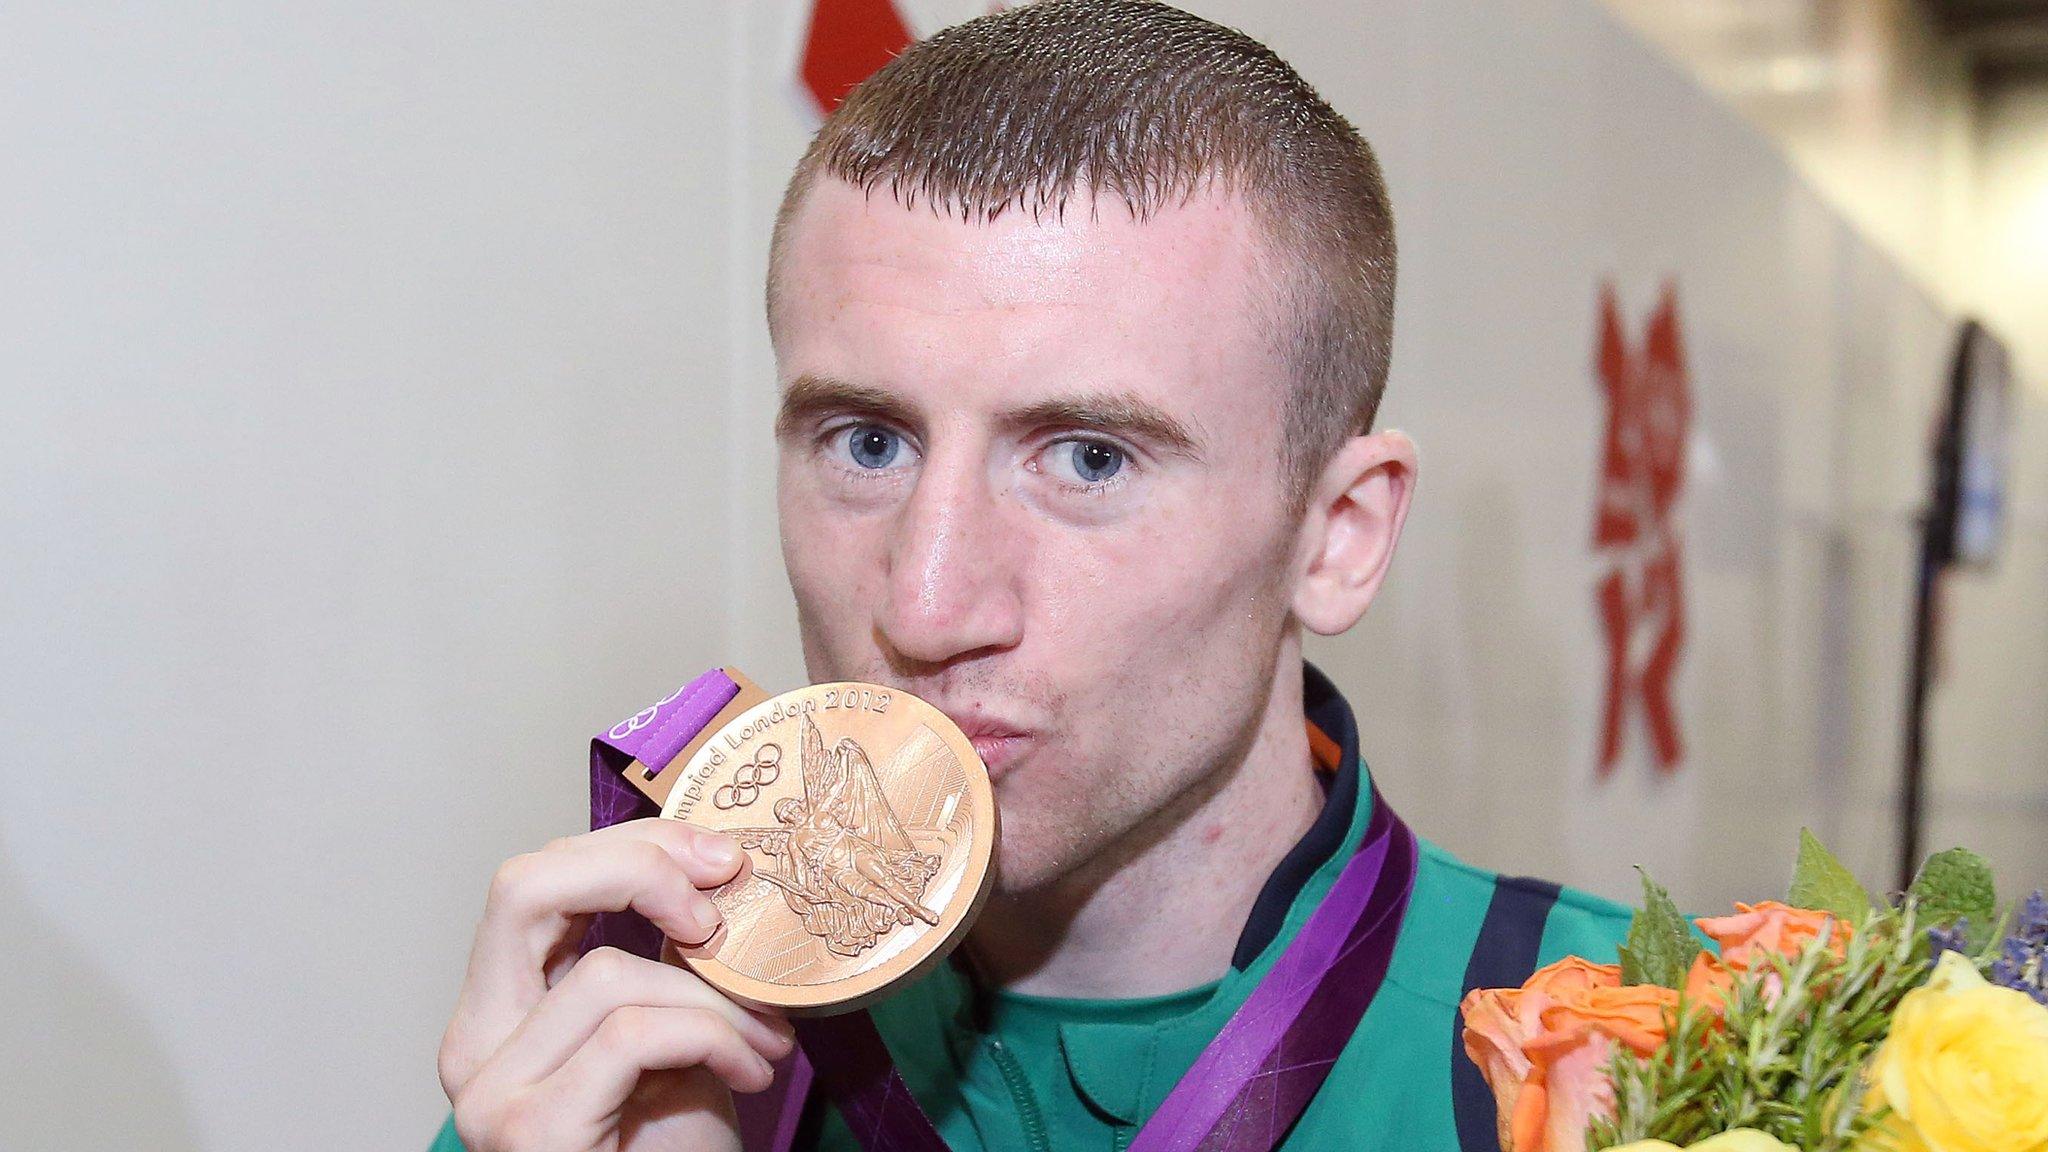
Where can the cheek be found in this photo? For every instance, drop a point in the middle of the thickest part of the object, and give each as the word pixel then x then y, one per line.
pixel 832 562
pixel 1192 576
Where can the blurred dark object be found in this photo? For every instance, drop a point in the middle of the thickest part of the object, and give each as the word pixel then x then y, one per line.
pixel 2006 40
pixel 1962 527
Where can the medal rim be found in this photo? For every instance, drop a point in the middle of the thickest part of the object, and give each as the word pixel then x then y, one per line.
pixel 850 993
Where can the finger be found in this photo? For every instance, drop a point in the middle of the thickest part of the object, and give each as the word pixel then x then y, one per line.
pixel 602 982
pixel 710 857
pixel 534 896
pixel 533 911
pixel 634 1040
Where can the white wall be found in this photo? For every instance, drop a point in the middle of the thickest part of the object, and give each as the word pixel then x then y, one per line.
pixel 1867 100
pixel 1990 729
pixel 368 372
pixel 386 408
pixel 1880 114
pixel 2012 208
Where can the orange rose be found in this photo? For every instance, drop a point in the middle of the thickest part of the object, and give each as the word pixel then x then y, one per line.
pixel 1544 1047
pixel 1707 983
pixel 1772 927
pixel 1756 929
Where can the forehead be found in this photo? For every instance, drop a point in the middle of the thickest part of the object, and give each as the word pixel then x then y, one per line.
pixel 1176 303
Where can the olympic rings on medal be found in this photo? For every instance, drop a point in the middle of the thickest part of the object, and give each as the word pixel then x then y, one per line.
pixel 748 779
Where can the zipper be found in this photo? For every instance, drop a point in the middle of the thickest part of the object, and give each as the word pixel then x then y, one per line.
pixel 1020 1092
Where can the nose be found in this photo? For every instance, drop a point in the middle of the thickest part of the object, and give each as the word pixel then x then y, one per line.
pixel 953 568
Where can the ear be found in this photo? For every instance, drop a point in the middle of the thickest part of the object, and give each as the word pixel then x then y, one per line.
pixel 1350 527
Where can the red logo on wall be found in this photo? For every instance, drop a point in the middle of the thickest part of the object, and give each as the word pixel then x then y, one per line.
pixel 1642 472
pixel 847 42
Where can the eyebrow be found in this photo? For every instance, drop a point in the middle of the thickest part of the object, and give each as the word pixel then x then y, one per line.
pixel 1116 413
pixel 811 396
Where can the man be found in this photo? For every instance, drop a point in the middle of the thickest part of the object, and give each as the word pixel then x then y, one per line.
pixel 1081 313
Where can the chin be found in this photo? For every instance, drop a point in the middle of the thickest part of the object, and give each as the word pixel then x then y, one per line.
pixel 1021 861
pixel 1039 847
pixel 1022 856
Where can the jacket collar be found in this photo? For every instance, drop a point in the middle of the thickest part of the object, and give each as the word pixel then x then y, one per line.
pixel 1326 712
pixel 1126 1069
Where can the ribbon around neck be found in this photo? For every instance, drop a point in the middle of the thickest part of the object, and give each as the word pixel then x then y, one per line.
pixel 1251 1083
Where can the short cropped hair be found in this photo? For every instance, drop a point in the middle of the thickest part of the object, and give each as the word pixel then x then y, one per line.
pixel 1139 101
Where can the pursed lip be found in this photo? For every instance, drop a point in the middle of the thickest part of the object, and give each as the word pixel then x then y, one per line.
pixel 997 741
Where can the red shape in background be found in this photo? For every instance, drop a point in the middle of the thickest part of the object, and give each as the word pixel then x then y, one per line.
pixel 848 41
pixel 1656 598
pixel 1642 473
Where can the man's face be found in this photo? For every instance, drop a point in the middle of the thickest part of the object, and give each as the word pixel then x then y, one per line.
pixel 1030 471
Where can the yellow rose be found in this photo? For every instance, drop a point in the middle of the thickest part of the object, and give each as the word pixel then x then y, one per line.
pixel 1734 1140
pixel 1965 1068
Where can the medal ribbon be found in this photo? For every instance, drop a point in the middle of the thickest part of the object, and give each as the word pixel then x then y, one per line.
pixel 1243 1093
pixel 1253 1081
pixel 652 736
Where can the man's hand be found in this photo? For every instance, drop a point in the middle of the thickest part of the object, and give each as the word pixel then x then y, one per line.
pixel 611 1051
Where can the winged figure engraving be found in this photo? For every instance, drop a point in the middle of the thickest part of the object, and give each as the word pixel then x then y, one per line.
pixel 848 869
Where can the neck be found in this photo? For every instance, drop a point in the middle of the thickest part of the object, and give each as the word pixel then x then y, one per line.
pixel 1179 903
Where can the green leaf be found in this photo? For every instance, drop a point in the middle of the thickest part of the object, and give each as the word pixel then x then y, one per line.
pixel 1786 1056
pixel 1660 946
pixel 1821 883
pixel 1953 885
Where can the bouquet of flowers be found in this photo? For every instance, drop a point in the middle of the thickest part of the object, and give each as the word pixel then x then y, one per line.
pixel 1827 1023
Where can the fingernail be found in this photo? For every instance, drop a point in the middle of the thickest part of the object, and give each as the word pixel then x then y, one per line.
pixel 704 915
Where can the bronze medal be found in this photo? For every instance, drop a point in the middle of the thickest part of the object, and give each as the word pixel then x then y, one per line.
pixel 868 824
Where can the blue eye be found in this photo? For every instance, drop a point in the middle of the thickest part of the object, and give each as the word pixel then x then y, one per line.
pixel 872 446
pixel 1094 461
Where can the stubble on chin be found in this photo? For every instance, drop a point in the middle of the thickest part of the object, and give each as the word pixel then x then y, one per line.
pixel 1051 833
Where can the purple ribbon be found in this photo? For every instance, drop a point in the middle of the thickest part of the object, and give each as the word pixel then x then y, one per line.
pixel 861 1078
pixel 1254 1080
pixel 1248 1086
pixel 652 736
